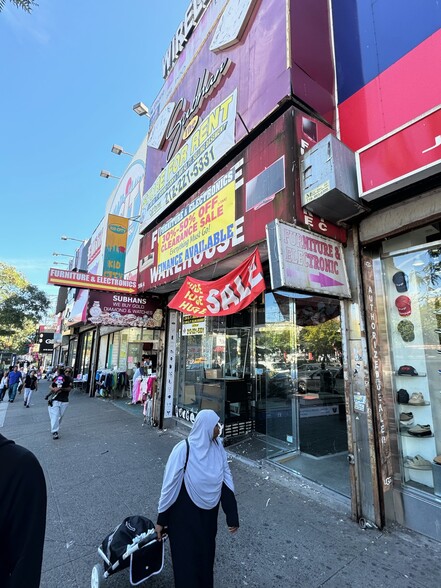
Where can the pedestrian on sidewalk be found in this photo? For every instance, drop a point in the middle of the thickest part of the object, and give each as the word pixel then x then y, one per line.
pixel 58 399
pixel 31 384
pixel 14 380
pixel 136 383
pixel 4 384
pixel 197 479
pixel 23 500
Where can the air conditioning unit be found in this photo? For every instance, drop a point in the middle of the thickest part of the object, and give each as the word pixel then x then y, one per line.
pixel 329 182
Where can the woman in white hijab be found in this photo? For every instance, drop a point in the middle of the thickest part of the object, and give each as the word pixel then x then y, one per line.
pixel 197 479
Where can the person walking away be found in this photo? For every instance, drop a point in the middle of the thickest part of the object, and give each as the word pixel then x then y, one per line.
pixel 58 400
pixel 15 378
pixel 31 384
pixel 197 479
pixel 23 500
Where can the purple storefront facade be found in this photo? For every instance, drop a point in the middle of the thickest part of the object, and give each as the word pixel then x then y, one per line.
pixel 250 89
pixel 250 92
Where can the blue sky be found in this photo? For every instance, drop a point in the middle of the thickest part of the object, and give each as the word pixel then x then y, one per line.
pixel 70 74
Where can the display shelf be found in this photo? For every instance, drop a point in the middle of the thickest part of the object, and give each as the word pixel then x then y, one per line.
pixel 426 403
pixel 404 434
pixel 419 375
pixel 424 469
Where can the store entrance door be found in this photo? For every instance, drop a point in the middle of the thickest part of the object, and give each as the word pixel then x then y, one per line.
pixel 300 406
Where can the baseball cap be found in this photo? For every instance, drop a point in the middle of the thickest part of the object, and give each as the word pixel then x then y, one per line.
pixel 400 281
pixel 404 305
pixel 407 370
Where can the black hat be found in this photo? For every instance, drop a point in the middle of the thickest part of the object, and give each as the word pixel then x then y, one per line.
pixel 401 282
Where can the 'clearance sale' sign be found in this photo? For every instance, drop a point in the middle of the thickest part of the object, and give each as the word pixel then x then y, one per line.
pixel 227 295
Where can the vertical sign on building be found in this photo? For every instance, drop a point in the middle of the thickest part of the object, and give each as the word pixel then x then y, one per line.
pixel 116 245
pixel 385 453
pixel 171 362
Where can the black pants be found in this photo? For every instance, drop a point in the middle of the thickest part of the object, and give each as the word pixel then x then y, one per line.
pixel 192 532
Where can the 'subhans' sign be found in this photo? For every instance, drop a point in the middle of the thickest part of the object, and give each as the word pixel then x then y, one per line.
pixel 227 295
pixel 90 281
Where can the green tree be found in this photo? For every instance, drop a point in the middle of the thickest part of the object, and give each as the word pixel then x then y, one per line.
pixel 22 306
pixel 322 340
pixel 26 5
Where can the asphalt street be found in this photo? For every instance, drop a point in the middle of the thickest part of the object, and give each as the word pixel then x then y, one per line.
pixel 106 465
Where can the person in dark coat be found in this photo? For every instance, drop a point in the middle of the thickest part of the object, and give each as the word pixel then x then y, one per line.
pixel 23 501
pixel 195 483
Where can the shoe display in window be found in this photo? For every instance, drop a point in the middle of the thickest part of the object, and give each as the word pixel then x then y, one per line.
pixel 406 419
pixel 420 431
pixel 417 399
pixel 418 462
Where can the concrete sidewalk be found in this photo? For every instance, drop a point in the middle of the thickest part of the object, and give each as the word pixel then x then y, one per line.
pixel 106 466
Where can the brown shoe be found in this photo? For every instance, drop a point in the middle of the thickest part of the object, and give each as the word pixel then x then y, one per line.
pixel 437 459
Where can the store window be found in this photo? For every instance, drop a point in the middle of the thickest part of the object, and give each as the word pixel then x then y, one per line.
pixel 412 282
pixel 215 369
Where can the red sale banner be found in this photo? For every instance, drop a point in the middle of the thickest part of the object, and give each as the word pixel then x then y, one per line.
pixel 227 295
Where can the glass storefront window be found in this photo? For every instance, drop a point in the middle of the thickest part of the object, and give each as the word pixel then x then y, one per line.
pixel 412 282
pixel 274 369
pixel 215 367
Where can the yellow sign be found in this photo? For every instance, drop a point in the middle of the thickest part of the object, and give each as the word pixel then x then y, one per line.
pixel 209 223
pixel 116 244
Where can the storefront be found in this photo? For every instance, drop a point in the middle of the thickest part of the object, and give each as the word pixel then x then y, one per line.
pixel 253 365
pixel 252 368
pixel 224 163
pixel 402 270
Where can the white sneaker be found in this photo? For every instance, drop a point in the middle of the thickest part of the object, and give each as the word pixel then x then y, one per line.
pixel 416 398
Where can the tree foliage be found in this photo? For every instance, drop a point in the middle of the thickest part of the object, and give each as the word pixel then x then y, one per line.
pixel 26 5
pixel 22 306
pixel 322 340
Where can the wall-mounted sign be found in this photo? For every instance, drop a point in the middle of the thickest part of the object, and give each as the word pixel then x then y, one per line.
pixel 192 17
pixel 409 154
pixel 193 326
pixel 227 295
pixel 116 245
pixel 90 281
pixel 109 309
pixel 212 138
pixel 125 201
pixel 95 251
pixel 45 342
pixel 303 260
pixel 229 212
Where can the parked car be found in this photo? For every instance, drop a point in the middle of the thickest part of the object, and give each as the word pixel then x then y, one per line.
pixel 311 381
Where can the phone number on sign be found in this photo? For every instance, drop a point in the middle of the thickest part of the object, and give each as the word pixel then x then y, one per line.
pixel 193 171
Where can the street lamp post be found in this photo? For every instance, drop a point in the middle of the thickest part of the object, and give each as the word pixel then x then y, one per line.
pixel 118 150
pixel 141 109
pixel 64 238
pixel 105 174
pixel 64 255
